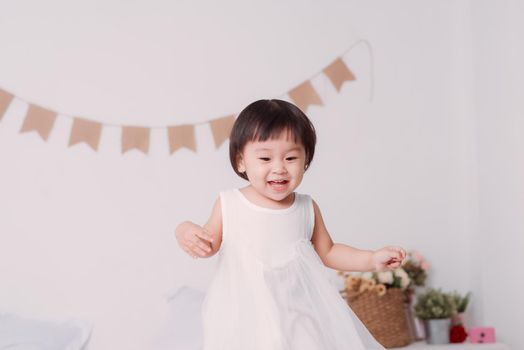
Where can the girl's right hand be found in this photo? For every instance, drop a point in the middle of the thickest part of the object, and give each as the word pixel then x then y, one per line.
pixel 195 240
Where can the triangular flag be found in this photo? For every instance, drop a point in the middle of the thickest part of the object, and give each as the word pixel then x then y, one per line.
pixel 85 131
pixel 305 95
pixel 338 73
pixel 181 136
pixel 39 119
pixel 5 100
pixel 135 137
pixel 221 128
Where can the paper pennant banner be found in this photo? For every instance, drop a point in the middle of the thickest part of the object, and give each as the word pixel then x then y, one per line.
pixel 5 100
pixel 135 137
pixel 305 95
pixel 221 128
pixel 85 131
pixel 338 73
pixel 42 120
pixel 39 119
pixel 181 136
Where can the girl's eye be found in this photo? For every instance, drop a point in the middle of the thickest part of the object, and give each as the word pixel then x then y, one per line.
pixel 264 159
pixel 291 158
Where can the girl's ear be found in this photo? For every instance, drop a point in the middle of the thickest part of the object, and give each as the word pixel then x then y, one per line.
pixel 241 166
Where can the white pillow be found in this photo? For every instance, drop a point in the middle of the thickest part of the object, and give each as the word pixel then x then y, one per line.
pixel 183 330
pixel 18 333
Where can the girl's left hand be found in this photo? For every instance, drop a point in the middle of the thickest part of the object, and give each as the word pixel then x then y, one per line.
pixel 388 258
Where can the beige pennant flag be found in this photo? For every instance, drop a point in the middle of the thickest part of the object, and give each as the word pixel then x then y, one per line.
pixel 85 131
pixel 135 137
pixel 338 73
pixel 5 100
pixel 39 119
pixel 305 95
pixel 221 128
pixel 181 136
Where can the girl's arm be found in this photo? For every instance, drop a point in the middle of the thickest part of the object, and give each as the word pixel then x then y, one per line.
pixel 189 233
pixel 345 258
pixel 214 227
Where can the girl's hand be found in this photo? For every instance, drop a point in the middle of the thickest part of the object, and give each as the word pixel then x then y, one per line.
pixel 388 258
pixel 195 240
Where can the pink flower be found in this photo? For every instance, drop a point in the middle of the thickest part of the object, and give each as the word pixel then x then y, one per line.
pixel 415 255
pixel 425 265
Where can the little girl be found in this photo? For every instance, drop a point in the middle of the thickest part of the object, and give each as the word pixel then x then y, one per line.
pixel 270 290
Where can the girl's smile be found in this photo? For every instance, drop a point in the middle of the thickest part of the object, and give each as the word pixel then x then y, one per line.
pixel 279 185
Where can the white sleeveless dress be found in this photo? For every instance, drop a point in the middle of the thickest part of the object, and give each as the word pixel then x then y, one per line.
pixel 270 290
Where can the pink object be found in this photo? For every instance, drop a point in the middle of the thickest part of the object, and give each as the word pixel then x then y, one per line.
pixel 415 255
pixel 482 335
pixel 425 265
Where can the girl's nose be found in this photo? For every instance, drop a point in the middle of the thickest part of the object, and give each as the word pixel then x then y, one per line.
pixel 279 168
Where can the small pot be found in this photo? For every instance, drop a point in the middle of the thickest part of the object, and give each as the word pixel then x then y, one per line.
pixel 437 330
pixel 457 319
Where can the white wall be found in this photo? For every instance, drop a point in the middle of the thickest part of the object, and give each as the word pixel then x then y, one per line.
pixel 499 102
pixel 91 234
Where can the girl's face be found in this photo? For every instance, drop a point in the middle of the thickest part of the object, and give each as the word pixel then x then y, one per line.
pixel 274 167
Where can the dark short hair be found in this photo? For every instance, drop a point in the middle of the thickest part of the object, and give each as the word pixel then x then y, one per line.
pixel 267 119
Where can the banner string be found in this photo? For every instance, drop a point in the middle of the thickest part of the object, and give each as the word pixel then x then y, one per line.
pixel 345 52
pixel 105 124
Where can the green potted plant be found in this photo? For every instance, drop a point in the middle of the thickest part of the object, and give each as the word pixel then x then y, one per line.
pixel 461 303
pixel 436 309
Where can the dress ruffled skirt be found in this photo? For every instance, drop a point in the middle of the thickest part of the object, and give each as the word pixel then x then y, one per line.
pixel 292 305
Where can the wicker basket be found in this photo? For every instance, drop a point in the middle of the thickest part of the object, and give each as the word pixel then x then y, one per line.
pixel 384 316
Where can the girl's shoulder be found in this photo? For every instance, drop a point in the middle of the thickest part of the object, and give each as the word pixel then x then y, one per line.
pixel 228 192
pixel 302 195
